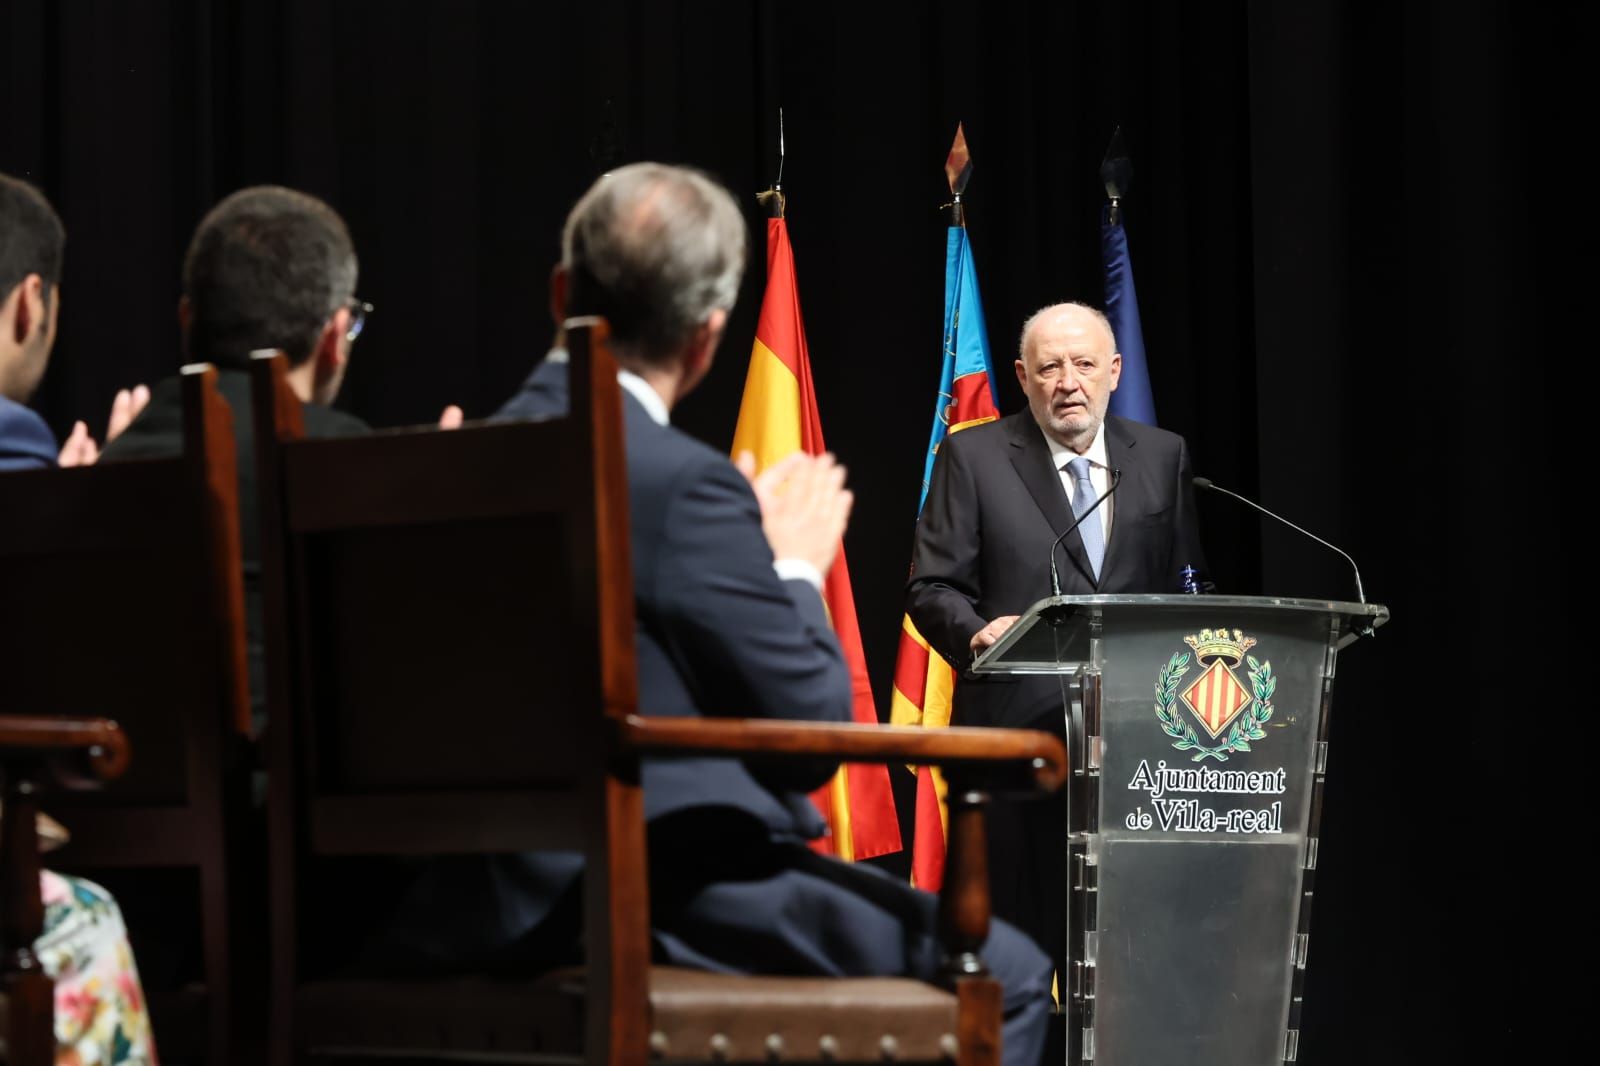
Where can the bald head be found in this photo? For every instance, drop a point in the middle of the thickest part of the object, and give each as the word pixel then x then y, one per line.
pixel 1073 311
pixel 1069 367
pixel 656 250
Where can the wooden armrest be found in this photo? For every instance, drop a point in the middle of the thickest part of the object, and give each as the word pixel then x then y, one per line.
pixel 1044 756
pixel 96 748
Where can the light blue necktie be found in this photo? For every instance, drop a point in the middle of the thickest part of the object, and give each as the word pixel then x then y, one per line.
pixel 1090 529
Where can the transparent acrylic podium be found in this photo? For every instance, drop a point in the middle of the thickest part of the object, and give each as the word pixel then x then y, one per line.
pixel 1198 727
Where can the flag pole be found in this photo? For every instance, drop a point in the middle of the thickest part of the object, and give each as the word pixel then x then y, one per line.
pixel 772 198
pixel 1116 172
pixel 779 415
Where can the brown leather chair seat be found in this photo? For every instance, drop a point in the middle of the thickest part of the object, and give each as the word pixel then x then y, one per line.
pixel 694 1017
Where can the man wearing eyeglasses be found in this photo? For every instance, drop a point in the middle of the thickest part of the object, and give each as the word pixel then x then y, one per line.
pixel 268 268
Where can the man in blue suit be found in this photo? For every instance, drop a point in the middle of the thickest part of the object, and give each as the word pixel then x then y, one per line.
pixel 32 240
pixel 727 573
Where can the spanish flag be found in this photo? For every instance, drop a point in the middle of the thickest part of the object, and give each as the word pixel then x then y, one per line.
pixel 778 416
pixel 923 681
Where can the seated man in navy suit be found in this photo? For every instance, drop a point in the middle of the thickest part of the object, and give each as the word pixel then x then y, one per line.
pixel 731 621
pixel 31 243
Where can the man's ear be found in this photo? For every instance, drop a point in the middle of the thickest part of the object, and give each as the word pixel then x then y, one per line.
pixel 30 308
pixel 704 345
pixel 332 352
pixel 715 325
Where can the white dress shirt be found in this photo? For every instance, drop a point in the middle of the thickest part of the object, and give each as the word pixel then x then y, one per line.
pixel 1099 474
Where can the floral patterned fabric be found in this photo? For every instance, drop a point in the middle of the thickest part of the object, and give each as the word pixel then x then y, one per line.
pixel 100 1009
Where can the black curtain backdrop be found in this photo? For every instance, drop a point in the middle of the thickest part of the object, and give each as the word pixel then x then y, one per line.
pixel 1331 233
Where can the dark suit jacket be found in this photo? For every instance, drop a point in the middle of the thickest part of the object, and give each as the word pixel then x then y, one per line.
pixel 717 632
pixel 26 443
pixel 158 433
pixel 983 543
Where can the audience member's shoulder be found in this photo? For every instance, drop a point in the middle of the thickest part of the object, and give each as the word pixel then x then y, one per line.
pixel 21 421
pixel 542 395
pixel 652 442
pixel 323 421
pixel 25 439
pixel 665 460
pixel 711 460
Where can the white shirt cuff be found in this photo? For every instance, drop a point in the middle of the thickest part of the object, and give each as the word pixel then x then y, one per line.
pixel 798 570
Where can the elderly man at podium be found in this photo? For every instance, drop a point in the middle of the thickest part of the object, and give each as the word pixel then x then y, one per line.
pixel 1114 498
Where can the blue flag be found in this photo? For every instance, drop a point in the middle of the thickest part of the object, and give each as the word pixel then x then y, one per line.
pixel 966 376
pixel 1133 398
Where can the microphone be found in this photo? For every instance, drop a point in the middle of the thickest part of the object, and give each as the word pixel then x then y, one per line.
pixel 1055 576
pixel 1208 484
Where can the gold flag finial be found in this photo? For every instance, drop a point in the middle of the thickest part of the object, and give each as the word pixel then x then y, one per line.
pixel 958 171
pixel 958 164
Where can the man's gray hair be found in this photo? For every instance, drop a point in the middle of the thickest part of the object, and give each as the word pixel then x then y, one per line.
pixel 1039 315
pixel 654 249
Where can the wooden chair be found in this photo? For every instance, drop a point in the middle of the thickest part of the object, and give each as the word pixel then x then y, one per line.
pixel 76 752
pixel 450 625
pixel 124 598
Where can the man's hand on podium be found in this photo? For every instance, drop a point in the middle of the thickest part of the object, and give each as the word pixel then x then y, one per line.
pixel 992 632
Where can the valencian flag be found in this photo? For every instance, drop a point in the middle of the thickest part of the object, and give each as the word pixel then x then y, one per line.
pixel 923 681
pixel 779 416
pixel 1133 398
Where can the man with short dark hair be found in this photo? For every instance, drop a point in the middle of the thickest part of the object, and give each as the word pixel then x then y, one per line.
pixel 32 240
pixel 268 268
pixel 730 620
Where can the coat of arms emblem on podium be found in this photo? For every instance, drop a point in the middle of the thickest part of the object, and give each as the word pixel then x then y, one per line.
pixel 1215 702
